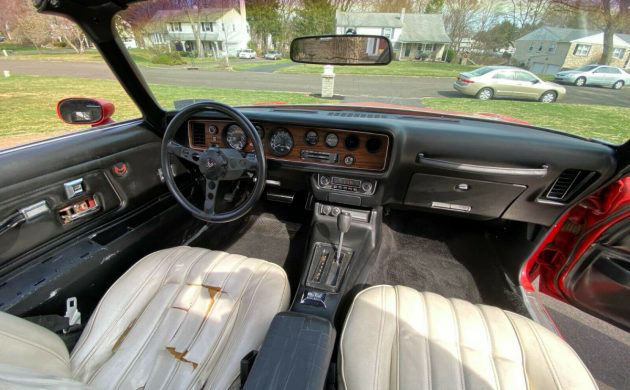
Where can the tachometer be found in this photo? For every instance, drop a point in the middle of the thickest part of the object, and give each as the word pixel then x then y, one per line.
pixel 280 142
pixel 332 140
pixel 235 137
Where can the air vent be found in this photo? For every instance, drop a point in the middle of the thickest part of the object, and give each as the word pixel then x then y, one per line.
pixel 356 114
pixel 198 134
pixel 566 184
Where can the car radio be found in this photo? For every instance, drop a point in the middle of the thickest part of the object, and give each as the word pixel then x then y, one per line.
pixel 343 184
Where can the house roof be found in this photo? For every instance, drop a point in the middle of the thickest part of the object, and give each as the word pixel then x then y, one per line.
pixel 180 15
pixel 415 27
pixel 559 34
pixel 625 37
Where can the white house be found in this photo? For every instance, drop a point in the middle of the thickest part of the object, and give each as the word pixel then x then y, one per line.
pixel 220 30
pixel 414 36
pixel 550 49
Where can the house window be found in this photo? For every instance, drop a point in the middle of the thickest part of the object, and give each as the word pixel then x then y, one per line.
pixel 428 47
pixel 175 27
pixel 407 50
pixel 157 38
pixel 207 26
pixel 619 53
pixel 582 50
pixel 233 27
pixel 531 47
pixel 388 32
pixel 552 48
pixel 540 48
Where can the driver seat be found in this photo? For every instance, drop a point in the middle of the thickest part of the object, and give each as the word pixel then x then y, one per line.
pixel 180 318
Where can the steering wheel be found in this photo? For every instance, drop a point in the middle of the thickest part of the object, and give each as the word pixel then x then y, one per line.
pixel 215 164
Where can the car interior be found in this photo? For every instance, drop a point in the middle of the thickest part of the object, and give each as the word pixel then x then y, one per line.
pixel 303 247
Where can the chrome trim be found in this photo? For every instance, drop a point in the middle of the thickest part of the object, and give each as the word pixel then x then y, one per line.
pixel 481 169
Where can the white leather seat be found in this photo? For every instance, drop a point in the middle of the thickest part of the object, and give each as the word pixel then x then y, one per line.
pixel 399 338
pixel 179 318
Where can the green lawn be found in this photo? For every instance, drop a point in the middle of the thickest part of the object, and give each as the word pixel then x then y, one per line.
pixel 593 121
pixel 28 103
pixel 395 68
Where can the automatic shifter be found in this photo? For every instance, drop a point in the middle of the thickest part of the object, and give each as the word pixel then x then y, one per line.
pixel 344 220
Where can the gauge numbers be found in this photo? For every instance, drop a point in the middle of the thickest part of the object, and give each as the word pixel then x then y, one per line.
pixel 332 140
pixel 235 137
pixel 280 142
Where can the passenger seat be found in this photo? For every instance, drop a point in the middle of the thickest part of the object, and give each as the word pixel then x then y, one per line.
pixel 399 338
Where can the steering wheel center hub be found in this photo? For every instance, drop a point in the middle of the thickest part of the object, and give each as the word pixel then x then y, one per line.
pixel 212 164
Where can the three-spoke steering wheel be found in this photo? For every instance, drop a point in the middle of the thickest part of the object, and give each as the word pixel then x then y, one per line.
pixel 215 164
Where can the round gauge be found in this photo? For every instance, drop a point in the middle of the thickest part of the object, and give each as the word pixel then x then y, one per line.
pixel 311 137
pixel 260 130
pixel 235 137
pixel 332 140
pixel 281 142
pixel 212 129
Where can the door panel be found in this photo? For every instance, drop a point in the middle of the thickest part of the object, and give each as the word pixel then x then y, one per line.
pixel 43 261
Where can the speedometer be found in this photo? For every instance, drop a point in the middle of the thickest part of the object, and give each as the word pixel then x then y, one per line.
pixel 235 137
pixel 280 142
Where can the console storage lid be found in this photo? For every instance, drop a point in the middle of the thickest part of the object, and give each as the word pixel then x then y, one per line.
pixel 296 354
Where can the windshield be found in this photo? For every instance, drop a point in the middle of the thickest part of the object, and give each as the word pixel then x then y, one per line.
pixel 202 49
pixel 238 52
pixel 586 68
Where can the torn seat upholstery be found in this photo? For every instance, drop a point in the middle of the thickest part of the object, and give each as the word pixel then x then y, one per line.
pixel 181 318
pixel 399 338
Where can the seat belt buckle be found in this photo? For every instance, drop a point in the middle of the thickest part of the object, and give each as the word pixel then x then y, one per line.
pixel 72 313
pixel 246 366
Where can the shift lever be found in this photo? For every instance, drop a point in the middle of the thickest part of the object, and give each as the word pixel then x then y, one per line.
pixel 344 220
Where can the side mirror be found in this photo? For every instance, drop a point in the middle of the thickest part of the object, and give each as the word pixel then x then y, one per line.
pixel 85 111
pixel 342 50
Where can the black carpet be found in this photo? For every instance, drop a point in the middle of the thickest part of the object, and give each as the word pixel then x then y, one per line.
pixel 450 256
pixel 414 254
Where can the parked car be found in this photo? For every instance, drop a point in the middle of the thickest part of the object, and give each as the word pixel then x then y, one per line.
pixel 489 82
pixel 247 54
pixel 273 55
pixel 603 75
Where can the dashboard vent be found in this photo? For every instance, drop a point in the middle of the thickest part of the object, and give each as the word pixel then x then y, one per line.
pixel 356 114
pixel 198 134
pixel 567 184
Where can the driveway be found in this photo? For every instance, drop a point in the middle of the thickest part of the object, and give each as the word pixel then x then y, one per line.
pixel 407 90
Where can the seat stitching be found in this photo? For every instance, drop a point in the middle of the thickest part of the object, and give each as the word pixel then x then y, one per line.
pixel 397 338
pixel 237 309
pixel 543 347
pixel 423 301
pixel 458 344
pixel 65 361
pixel 99 307
pixel 520 345
pixel 345 325
pixel 484 321
pixel 380 335
pixel 152 332
pixel 214 264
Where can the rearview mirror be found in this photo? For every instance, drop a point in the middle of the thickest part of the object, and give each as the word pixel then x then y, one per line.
pixel 85 111
pixel 342 50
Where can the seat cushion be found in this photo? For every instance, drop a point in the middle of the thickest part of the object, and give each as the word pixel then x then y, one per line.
pixel 399 338
pixel 180 318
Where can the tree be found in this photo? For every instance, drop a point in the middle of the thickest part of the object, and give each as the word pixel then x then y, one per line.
pixel 264 21
pixel 499 36
pixel 434 6
pixel 459 16
pixel 529 12
pixel 34 27
pixel 611 16
pixel 315 17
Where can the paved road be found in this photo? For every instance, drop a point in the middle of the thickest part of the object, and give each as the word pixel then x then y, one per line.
pixel 393 89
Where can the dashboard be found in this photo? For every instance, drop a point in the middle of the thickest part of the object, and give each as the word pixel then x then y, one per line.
pixel 371 157
pixel 332 147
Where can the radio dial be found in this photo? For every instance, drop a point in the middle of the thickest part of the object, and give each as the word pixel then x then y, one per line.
pixel 324 180
pixel 366 186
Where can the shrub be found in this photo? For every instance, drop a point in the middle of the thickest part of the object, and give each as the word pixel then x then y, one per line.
pixel 450 55
pixel 60 44
pixel 172 58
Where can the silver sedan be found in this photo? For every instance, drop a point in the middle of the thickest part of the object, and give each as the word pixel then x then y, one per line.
pixel 603 75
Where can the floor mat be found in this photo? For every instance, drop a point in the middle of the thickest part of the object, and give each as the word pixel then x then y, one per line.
pixel 415 254
pixel 264 237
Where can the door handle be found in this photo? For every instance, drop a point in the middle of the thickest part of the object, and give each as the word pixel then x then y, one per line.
pixel 23 215
pixel 79 210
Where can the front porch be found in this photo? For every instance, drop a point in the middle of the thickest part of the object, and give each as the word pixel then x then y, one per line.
pixel 420 51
